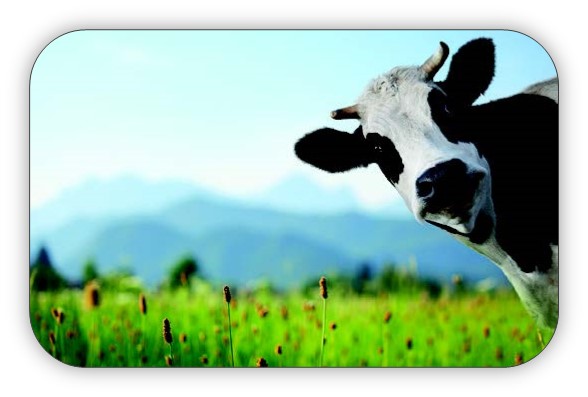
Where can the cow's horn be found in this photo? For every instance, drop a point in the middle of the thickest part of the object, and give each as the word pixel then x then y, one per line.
pixel 436 61
pixel 349 112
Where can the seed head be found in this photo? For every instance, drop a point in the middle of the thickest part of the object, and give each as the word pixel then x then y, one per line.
pixel 52 338
pixel 279 350
pixel 323 285
pixel 167 335
pixel 387 317
pixel 261 363
pixel 227 292
pixel 58 315
pixel 284 312
pixel 409 343
pixel 92 295
pixel 518 360
pixel 486 331
pixel 204 360
pixel 499 353
pixel 183 337
pixel 142 304
pixel 169 361
pixel 262 312
pixel 467 346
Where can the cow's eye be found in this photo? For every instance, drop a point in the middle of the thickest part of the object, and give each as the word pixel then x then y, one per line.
pixel 375 143
pixel 384 153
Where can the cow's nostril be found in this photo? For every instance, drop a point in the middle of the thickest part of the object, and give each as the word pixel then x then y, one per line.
pixel 446 182
pixel 425 188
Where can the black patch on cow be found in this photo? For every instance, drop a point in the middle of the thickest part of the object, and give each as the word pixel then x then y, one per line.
pixel 470 72
pixel 448 188
pixel 338 151
pixel 518 136
pixel 386 156
pixel 334 151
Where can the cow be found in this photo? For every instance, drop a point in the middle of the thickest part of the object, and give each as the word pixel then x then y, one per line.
pixel 485 173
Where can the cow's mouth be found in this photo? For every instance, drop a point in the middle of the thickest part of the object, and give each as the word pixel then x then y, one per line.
pixel 459 217
pixel 480 232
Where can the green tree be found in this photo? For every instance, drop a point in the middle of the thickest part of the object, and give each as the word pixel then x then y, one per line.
pixel 89 272
pixel 362 276
pixel 43 276
pixel 181 272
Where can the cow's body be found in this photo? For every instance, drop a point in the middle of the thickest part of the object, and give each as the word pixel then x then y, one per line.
pixel 524 169
pixel 488 174
pixel 548 88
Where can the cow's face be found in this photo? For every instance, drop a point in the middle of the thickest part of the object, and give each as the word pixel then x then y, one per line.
pixel 405 117
pixel 441 181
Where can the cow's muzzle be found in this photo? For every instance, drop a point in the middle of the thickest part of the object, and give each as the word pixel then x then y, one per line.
pixel 449 189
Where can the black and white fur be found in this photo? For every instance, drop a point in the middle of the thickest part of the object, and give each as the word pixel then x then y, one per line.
pixel 411 125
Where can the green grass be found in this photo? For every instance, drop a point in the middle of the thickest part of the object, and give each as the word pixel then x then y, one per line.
pixel 445 332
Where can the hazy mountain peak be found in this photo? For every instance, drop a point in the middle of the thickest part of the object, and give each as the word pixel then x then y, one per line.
pixel 119 196
pixel 298 193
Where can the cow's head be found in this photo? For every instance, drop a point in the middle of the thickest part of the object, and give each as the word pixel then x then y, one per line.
pixel 405 118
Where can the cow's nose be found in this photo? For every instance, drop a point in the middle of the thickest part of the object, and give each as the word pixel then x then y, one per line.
pixel 448 182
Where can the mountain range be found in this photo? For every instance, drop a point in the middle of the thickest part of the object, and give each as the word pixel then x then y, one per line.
pixel 284 235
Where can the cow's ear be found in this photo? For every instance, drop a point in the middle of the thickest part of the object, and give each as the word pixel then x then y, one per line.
pixel 470 72
pixel 334 151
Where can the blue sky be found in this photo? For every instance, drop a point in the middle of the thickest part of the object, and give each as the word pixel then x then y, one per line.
pixel 223 108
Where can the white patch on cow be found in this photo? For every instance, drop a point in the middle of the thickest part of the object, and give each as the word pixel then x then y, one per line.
pixel 548 88
pixel 538 291
pixel 395 105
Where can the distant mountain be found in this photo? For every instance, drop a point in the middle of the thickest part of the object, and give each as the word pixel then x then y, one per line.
pixel 66 241
pixel 147 226
pixel 297 193
pixel 357 236
pixel 144 246
pixel 130 195
pixel 149 248
pixel 240 256
pixel 118 197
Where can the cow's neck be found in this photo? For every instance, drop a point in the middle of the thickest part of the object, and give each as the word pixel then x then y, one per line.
pixel 537 290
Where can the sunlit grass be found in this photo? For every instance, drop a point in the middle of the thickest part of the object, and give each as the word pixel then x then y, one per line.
pixel 471 330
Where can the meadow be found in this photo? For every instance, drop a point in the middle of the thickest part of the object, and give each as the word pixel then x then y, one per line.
pixel 105 328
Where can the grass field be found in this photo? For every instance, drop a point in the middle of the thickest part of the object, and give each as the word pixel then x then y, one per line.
pixel 108 329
